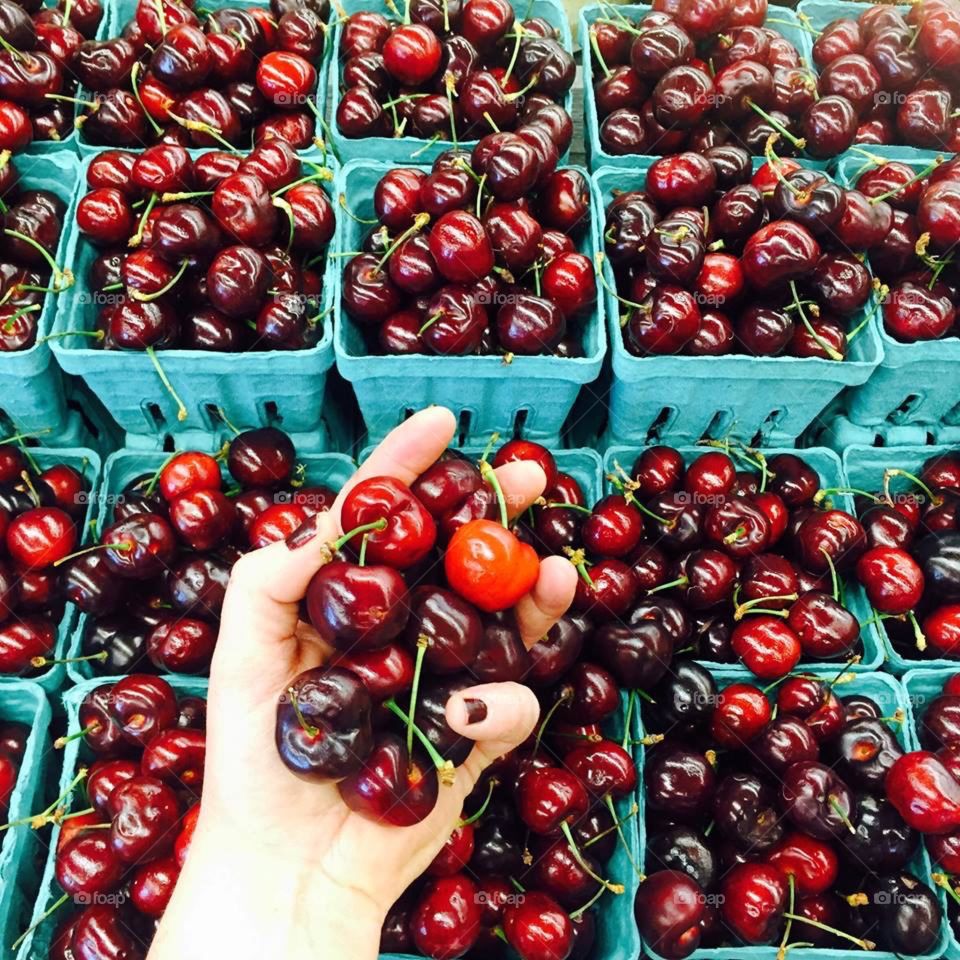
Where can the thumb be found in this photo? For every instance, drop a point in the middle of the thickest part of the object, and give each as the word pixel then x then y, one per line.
pixel 499 717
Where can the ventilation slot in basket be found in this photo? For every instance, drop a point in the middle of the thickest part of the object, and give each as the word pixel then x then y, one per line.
pixel 154 415
pixel 766 428
pixel 519 421
pixel 661 423
pixel 463 427
pixel 720 424
pixel 904 410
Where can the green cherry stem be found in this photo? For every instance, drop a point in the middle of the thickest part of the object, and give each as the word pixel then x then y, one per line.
pixel 340 543
pixel 473 818
pixel 182 413
pixel 445 769
pixel 422 644
pixel 490 475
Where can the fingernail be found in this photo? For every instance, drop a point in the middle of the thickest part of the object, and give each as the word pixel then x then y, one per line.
pixel 476 710
pixel 303 534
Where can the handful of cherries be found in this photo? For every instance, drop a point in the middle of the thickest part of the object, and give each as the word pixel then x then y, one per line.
pixel 214 253
pixel 452 70
pixel 711 259
pixel 477 255
pixel 32 223
pixel 120 852
pixel 911 569
pixel 42 513
pixel 154 584
pixel 810 839
pixel 214 79
pixel 913 264
pixel 896 73
pixel 42 46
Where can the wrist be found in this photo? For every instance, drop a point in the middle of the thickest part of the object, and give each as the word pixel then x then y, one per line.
pixel 248 901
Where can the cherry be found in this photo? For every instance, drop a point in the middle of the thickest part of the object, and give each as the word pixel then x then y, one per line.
pixel 767 646
pixel 816 799
pixel 669 908
pixel 101 928
pixel 87 865
pixel 389 785
pixel 812 863
pixel 460 247
pixel 41 537
pixel 754 899
pixel 550 798
pixel 144 813
pixel 892 578
pixel 536 927
pixel 323 724
pixel 152 886
pixel 354 606
pixel 142 706
pixel 740 714
pixel 446 920
pixel 680 781
pixel 745 814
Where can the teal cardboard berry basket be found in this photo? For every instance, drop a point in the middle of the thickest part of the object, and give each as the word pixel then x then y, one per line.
pixel 530 396
pixel 617 937
pixel 921 687
pixel 23 701
pixel 31 383
pixel 119 12
pixel 126 466
pixel 828 466
pixel 916 384
pixel 863 469
pixel 890 696
pixel 408 149
pixel 36 944
pixel 87 462
pixel 253 388
pixel 767 400
pixel 782 19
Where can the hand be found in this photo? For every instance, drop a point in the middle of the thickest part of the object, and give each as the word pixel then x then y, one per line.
pixel 281 867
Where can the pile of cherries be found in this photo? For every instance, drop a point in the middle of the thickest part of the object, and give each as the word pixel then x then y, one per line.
pixel 121 851
pixel 41 518
pixel 223 252
pixel 896 73
pixel 38 76
pixel 222 77
pixel 30 229
pixel 13 745
pixel 692 75
pixel 417 605
pixel 791 822
pixel 913 263
pixel 924 785
pixel 476 255
pixel 911 569
pixel 710 258
pixel 155 582
pixel 452 70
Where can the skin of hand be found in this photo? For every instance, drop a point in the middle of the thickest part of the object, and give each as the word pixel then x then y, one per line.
pixel 279 867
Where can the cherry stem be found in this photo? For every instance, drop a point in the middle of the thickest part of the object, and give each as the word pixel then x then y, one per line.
pixel 623 838
pixel 165 289
pixel 922 175
pixel 473 818
pixel 841 813
pixel 123 547
pixel 155 479
pixel 595 46
pixel 431 320
pixel 134 77
pixel 579 560
pixel 308 728
pixel 199 126
pixel 449 83
pixel 628 717
pixel 490 475
pixel 419 222
pixel 670 584
pixel 182 413
pixel 137 238
pixel 748 605
pixel 735 535
pixel 918 636
pixel 580 911
pixel 782 952
pixel 322 174
pixel 13 51
pixel 338 544
pixel 834 579
pixel 943 881
pixel 479 204
pixel 35 819
pixel 798 142
pixel 517 37
pixel 892 472
pixel 510 97
pixel 445 770
pixel 566 695
pixel 821 495
pixel 863 944
pixel 61 742
pixel 831 352
pixel 342 200
pixel 17 314
pixel 555 505
pixel 579 857
pixel 634 810
pixel 422 644
pixel 43 917
pixel 489 119
pixel 38 662
pixel 61 278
